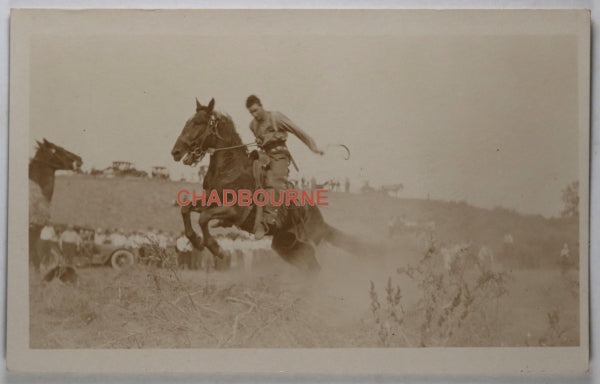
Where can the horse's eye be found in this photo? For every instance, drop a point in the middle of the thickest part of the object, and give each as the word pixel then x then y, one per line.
pixel 53 150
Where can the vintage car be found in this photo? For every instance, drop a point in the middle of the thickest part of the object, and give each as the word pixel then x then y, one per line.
pixel 105 254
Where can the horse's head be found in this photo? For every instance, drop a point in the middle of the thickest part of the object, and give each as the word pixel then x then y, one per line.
pixel 57 157
pixel 199 134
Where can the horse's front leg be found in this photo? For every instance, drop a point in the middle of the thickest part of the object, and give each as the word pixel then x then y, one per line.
pixel 196 240
pixel 221 213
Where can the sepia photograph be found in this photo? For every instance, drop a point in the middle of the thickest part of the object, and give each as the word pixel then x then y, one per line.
pixel 299 185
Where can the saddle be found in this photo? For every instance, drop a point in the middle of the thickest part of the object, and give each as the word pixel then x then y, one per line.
pixel 260 162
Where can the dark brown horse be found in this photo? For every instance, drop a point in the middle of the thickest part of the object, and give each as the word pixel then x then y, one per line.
pixel 48 158
pixel 230 167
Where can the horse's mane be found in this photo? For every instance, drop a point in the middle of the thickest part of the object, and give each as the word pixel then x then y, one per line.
pixel 39 147
pixel 227 129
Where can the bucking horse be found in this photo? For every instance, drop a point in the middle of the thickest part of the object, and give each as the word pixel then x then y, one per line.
pixel 231 167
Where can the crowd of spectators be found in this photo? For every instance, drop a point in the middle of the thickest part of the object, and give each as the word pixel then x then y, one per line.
pixel 78 246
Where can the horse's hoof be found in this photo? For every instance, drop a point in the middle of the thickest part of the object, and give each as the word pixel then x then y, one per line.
pixel 220 253
pixel 198 244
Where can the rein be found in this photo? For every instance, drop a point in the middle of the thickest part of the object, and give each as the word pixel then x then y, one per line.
pixel 212 130
pixel 235 146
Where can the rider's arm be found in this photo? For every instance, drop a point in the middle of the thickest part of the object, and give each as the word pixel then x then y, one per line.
pixel 284 122
pixel 253 129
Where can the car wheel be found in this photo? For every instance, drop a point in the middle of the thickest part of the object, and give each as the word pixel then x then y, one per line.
pixel 122 259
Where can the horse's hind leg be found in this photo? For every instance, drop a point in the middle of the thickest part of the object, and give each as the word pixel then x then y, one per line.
pixel 300 254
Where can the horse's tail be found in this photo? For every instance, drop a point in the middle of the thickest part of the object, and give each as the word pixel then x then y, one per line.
pixel 318 230
pixel 346 241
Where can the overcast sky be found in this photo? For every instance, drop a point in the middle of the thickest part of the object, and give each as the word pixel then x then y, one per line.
pixel 490 120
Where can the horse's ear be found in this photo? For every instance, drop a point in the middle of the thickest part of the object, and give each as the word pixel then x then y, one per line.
pixel 39 144
pixel 45 141
pixel 211 105
pixel 198 105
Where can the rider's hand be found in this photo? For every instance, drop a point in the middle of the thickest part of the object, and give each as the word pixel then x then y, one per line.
pixel 210 151
pixel 319 152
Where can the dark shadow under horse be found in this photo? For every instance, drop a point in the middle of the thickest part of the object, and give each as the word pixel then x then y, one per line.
pixel 230 168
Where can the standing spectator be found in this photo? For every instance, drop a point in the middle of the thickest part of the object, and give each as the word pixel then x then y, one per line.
pixel 184 251
pixel 162 239
pixel 135 241
pixel 162 242
pixel 101 241
pixel 70 244
pixel 172 246
pixel 152 236
pixel 48 240
pixel 99 237
pixel 144 251
pixel 118 239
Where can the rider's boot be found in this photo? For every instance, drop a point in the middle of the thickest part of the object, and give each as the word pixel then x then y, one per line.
pixel 267 223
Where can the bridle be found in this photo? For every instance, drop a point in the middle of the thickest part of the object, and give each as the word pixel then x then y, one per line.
pixel 197 144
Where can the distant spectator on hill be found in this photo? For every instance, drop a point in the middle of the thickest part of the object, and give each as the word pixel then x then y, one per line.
pixel 566 261
pixel 565 253
pixel 508 246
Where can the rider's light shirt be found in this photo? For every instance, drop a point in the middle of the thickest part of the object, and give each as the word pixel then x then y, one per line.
pixel 274 129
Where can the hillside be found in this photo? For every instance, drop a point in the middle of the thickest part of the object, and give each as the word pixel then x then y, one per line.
pixel 139 203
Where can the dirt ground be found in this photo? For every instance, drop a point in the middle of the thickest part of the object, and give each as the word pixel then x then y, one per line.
pixel 275 305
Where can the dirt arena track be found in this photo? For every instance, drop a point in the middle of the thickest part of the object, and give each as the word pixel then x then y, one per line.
pixel 275 305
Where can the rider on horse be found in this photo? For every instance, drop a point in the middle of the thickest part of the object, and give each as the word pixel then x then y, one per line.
pixel 271 129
